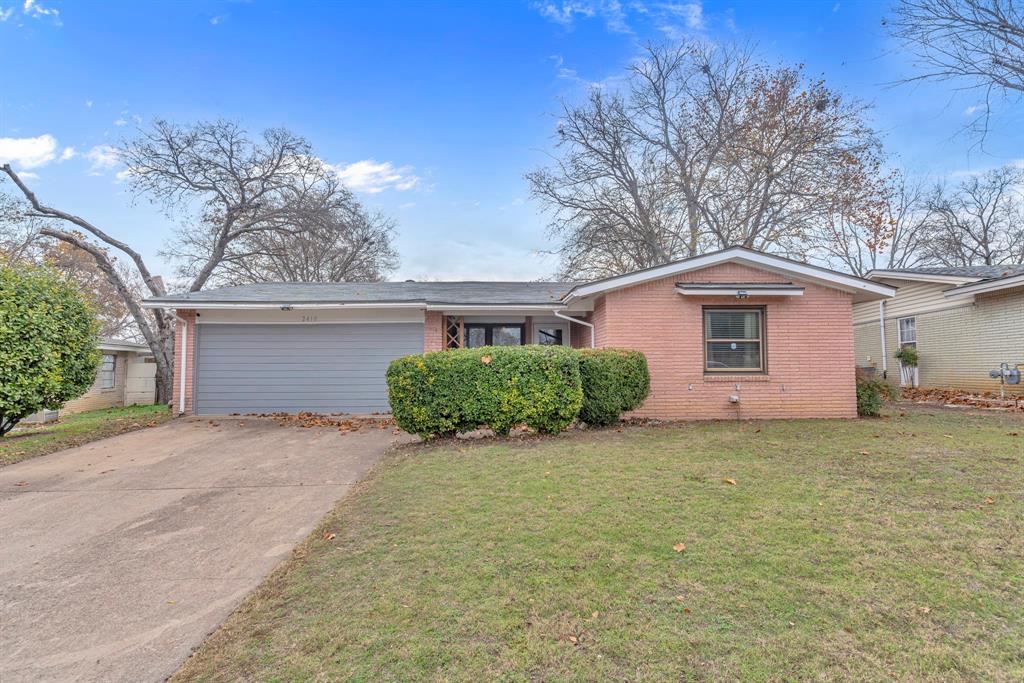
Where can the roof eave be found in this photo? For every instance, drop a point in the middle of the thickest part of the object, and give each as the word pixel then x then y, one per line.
pixel 985 286
pixel 862 289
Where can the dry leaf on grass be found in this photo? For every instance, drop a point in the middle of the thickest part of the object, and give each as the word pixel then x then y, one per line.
pixel 730 481
pixel 679 547
pixel 329 536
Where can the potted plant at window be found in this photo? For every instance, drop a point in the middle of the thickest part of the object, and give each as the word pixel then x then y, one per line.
pixel 907 356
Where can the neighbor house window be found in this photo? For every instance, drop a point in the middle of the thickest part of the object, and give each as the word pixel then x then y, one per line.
pixel 734 340
pixel 108 372
pixel 493 334
pixel 908 332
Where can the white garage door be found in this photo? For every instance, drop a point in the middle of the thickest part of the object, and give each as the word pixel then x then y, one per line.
pixel 294 368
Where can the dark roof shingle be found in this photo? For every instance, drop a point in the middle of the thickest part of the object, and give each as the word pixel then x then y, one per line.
pixel 471 293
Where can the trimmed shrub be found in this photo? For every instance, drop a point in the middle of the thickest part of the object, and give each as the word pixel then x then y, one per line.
pixel 447 392
pixel 870 394
pixel 614 381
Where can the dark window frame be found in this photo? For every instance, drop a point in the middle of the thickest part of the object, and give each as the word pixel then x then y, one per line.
pixel 763 340
pixel 488 329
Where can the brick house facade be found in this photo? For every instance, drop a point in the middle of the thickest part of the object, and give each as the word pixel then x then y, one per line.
pixel 789 351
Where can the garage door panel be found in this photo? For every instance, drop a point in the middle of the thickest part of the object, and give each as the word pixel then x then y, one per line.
pixel 293 368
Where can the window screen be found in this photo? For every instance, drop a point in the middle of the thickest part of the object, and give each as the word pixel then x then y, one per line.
pixel 108 372
pixel 733 340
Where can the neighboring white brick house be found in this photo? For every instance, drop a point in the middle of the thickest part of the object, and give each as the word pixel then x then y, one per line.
pixel 963 321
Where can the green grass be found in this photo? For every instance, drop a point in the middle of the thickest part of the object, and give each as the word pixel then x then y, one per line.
pixel 74 430
pixel 846 550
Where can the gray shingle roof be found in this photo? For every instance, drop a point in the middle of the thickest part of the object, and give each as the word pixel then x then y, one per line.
pixel 981 272
pixel 472 293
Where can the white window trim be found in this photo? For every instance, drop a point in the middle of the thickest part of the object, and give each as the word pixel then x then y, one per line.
pixel 899 330
pixel 112 371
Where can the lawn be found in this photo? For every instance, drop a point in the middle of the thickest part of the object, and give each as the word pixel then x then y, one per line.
pixel 886 549
pixel 29 441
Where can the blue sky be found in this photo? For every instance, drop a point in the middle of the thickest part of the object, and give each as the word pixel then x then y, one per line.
pixel 434 110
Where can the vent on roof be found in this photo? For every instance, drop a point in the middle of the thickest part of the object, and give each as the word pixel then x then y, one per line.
pixel 410 281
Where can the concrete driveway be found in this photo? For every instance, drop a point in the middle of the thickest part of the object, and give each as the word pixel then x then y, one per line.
pixel 117 558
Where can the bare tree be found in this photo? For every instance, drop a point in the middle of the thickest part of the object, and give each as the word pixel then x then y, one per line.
pixel 238 187
pixel 344 244
pixel 980 221
pixel 706 149
pixel 979 43
pixel 877 222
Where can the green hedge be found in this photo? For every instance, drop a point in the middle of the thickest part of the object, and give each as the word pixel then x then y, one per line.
pixel 614 381
pixel 447 392
pixel 870 395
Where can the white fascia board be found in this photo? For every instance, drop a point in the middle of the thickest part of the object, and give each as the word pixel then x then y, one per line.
pixel 983 287
pixel 735 291
pixel 919 277
pixel 847 283
pixel 124 347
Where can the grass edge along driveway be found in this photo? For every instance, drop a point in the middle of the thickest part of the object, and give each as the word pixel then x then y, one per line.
pixel 30 441
pixel 886 549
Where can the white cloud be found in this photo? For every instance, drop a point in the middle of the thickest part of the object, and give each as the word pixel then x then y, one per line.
pixel 5 14
pixel 971 110
pixel 88 104
pixel 28 152
pixel 372 176
pixel 121 121
pixel 35 10
pixel 28 175
pixel 691 12
pixel 102 158
pixel 68 153
pixel 217 20
pixel 566 12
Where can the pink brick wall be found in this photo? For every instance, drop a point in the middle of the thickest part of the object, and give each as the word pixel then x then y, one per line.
pixel 190 365
pixel 809 349
pixel 433 331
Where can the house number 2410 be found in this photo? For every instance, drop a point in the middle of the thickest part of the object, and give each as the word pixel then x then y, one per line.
pixel 309 318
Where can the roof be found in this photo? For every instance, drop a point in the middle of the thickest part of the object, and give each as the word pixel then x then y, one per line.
pixel 861 288
pixel 979 272
pixel 428 293
pixel 1010 280
pixel 111 344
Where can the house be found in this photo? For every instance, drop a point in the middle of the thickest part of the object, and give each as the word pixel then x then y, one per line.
pixel 125 376
pixel 964 321
pixel 736 333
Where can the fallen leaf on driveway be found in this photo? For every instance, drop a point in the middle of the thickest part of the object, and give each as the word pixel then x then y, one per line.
pixel 22 483
pixel 679 547
pixel 729 481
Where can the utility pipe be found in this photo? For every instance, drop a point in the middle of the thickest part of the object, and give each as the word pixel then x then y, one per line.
pixel 184 362
pixel 881 326
pixel 593 343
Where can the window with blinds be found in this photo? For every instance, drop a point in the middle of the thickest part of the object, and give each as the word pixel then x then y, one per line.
pixel 734 340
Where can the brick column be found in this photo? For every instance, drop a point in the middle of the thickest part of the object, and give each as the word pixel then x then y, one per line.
pixel 433 331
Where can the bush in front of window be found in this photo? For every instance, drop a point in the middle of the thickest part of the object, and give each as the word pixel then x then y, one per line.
pixel 443 393
pixel 48 351
pixel 615 381
pixel 870 395
pixel 908 356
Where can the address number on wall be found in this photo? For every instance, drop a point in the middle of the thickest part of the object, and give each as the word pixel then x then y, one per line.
pixel 309 318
